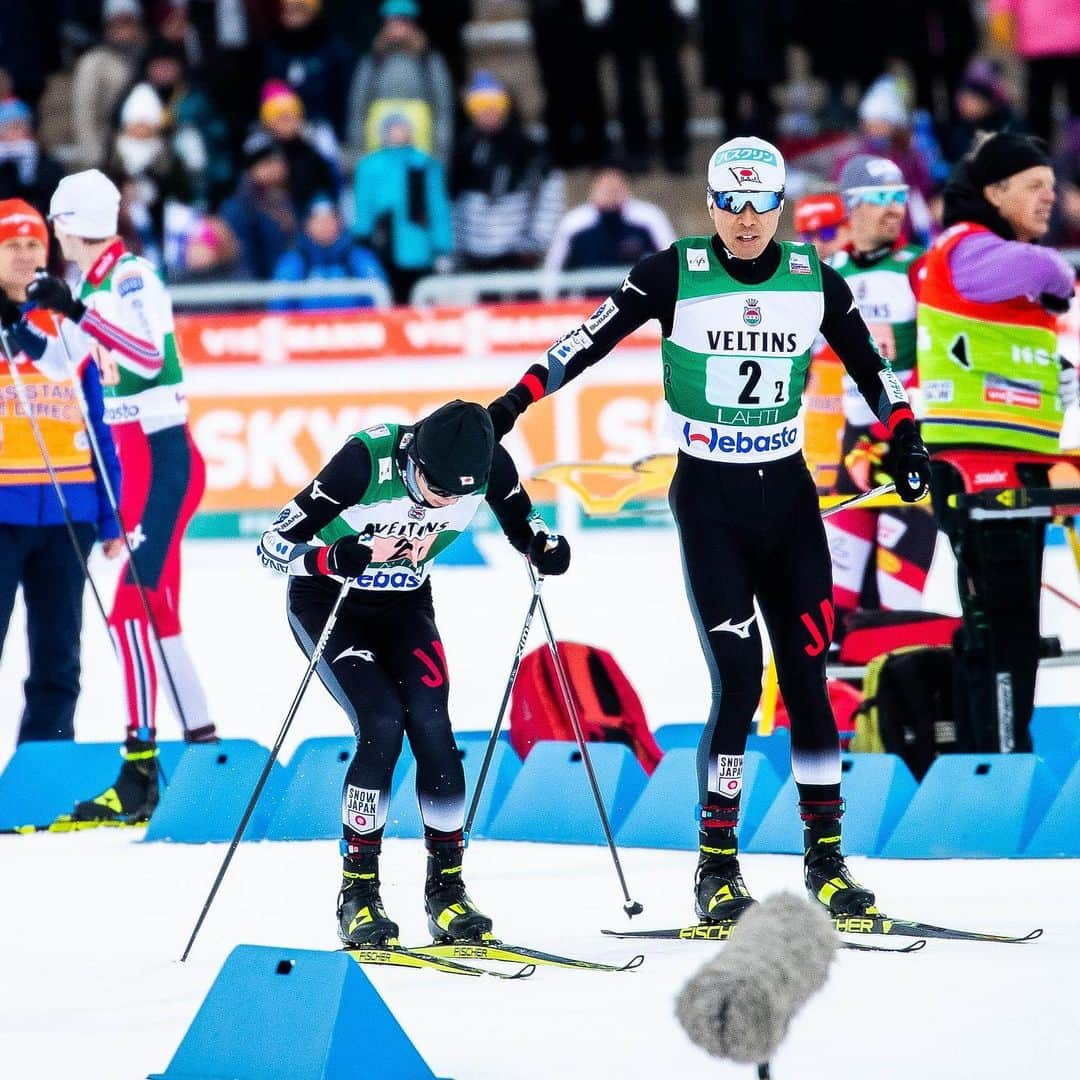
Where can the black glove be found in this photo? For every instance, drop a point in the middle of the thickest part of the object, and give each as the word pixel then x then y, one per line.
pixel 10 312
pixel 49 291
pixel 1056 305
pixel 911 462
pixel 549 553
pixel 349 557
pixel 505 410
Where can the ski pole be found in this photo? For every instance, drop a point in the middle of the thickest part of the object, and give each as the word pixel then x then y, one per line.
pixel 863 496
pixel 95 447
pixel 316 655
pixel 24 402
pixel 630 906
pixel 522 639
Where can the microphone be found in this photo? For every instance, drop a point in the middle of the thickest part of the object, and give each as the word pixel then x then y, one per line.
pixel 740 1004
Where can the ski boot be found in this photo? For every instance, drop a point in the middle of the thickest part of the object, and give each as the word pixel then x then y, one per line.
pixel 719 890
pixel 133 796
pixel 828 880
pixel 362 919
pixel 201 736
pixel 452 916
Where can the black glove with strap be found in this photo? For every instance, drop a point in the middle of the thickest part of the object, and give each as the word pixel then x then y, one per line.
pixel 549 553
pixel 49 291
pixel 348 557
pixel 911 462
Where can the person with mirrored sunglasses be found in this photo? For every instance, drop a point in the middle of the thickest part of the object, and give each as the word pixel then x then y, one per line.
pixel 739 313
pixel 378 514
pixel 880 558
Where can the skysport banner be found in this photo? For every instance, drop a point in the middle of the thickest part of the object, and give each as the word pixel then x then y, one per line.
pixel 273 396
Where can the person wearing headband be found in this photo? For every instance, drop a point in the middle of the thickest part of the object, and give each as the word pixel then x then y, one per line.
pixel 993 382
pixel 739 313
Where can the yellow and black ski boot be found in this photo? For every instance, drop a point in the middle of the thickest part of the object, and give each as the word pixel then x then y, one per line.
pixel 362 919
pixel 133 796
pixel 452 916
pixel 719 890
pixel 828 880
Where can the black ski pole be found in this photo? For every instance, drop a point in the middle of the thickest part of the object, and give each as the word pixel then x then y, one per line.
pixel 95 448
pixel 486 764
pixel 24 402
pixel 316 655
pixel 631 907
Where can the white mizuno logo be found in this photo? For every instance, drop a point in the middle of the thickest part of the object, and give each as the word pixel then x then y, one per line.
pixel 514 491
pixel 318 493
pixel 741 629
pixel 628 284
pixel 364 654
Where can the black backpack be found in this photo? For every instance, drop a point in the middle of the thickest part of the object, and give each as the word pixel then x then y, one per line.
pixel 907 706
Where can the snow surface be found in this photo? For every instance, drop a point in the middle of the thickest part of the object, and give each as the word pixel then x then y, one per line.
pixel 92 924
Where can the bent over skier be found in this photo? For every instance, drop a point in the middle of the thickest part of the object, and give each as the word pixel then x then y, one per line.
pixel 739 313
pixel 385 506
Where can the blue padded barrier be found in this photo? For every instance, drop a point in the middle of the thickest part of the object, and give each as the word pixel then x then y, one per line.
pixel 877 789
pixel 209 791
pixel 310 803
pixel 45 779
pixel 404 817
pixel 974 806
pixel 551 799
pixel 666 814
pixel 1055 734
pixel 678 736
pixel 293 1013
pixel 1059 832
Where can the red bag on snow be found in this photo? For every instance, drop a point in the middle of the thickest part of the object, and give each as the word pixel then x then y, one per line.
pixel 871 633
pixel 607 705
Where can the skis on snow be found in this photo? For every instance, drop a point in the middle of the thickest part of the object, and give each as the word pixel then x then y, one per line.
pixel 876 924
pixel 447 956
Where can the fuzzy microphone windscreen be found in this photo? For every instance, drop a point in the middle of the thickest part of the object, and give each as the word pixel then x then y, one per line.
pixel 740 1004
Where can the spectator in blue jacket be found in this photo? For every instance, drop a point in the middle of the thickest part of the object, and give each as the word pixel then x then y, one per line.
pixel 36 550
pixel 325 252
pixel 402 208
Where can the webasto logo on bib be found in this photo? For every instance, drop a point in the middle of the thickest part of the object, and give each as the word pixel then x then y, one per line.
pixel 740 442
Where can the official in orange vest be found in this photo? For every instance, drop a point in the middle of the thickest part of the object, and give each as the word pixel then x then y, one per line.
pixel 36 549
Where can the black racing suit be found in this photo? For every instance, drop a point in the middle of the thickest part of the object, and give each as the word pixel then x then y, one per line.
pixel 384 662
pixel 747 531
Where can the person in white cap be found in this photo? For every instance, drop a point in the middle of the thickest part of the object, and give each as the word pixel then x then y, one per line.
pixel 881 557
pixel 126 320
pixel 739 313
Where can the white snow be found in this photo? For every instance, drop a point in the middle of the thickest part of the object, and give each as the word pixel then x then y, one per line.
pixel 92 924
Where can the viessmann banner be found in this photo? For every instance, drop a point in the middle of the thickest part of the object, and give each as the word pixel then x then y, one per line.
pixel 274 395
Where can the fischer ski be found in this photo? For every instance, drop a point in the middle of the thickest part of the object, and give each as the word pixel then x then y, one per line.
pixel 721 931
pixel 399 956
pixel 517 954
pixel 876 923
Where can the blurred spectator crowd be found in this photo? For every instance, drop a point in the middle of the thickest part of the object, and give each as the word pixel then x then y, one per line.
pixel 318 139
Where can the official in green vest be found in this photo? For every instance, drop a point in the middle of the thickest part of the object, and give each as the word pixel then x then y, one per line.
pixel 993 383
pixel 383 508
pixel 739 313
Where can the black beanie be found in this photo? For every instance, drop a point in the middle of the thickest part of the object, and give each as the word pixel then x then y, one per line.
pixel 453 447
pixel 1005 154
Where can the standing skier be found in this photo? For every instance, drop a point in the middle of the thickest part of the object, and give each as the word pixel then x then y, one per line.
pixel 880 558
pixel 385 506
pixel 739 313
pixel 124 320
